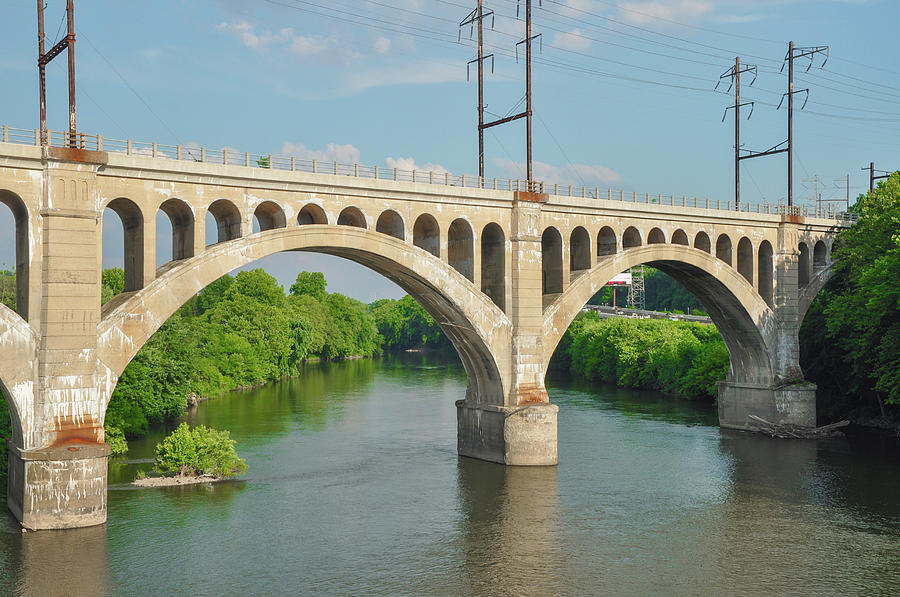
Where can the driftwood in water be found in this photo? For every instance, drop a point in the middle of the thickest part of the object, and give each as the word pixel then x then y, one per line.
pixel 787 430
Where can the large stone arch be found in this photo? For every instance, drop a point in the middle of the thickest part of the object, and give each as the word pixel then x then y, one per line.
pixel 479 330
pixel 745 321
pixel 18 356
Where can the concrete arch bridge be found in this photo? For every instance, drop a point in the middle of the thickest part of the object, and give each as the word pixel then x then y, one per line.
pixel 504 273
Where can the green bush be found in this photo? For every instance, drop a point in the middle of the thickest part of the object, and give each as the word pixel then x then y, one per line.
pixel 198 451
pixel 115 439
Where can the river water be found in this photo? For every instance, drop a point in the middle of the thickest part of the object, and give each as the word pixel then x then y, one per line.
pixel 354 487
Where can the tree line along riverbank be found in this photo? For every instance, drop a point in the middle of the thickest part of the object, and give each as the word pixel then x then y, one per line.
pixel 245 330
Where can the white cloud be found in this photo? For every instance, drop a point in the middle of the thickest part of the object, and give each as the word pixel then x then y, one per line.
pixel 422 73
pixel 573 40
pixel 382 45
pixel 409 164
pixel 333 152
pixel 591 175
pixel 286 38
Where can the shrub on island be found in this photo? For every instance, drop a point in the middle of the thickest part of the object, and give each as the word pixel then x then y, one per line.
pixel 198 451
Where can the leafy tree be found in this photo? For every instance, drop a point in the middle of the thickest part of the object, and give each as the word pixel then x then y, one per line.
pixel 198 451
pixel 8 288
pixel 311 284
pixel 113 283
pixel 857 351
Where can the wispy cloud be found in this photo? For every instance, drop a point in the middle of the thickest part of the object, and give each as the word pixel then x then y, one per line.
pixel 648 11
pixel 333 152
pixel 287 39
pixel 573 40
pixel 409 164
pixel 581 174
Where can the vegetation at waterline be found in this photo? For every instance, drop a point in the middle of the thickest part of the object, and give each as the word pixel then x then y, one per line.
pixel 850 339
pixel 200 450
pixel 676 357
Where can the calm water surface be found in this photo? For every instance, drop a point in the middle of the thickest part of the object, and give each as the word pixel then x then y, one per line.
pixel 354 488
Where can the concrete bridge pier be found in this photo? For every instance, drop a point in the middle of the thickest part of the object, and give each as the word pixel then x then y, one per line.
pixel 777 393
pixel 58 462
pixel 518 428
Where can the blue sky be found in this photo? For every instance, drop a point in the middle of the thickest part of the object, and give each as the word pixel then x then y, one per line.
pixel 623 91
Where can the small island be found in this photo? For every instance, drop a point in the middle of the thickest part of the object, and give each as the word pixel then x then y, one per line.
pixel 192 455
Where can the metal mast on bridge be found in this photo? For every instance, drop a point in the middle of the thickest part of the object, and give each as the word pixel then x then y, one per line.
pixel 734 73
pixel 475 19
pixel 873 177
pixel 66 43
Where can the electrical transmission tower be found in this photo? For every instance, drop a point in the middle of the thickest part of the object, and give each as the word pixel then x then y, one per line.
pixel 786 146
pixel 636 290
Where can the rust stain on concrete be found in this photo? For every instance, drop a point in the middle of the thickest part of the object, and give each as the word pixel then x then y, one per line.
pixel 84 430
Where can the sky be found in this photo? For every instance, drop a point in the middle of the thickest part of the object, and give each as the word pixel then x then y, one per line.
pixel 624 92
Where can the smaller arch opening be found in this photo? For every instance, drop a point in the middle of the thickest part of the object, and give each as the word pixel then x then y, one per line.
pixel 803 273
pixel 227 218
pixel 181 228
pixel 312 214
pixel 551 261
pixel 390 223
pixel 268 215
pixel 656 237
pixel 579 250
pixel 765 268
pixel 427 234
pixel 631 238
pixel 606 242
pixel 723 248
pixel 679 237
pixel 461 248
pixel 133 236
pixel 820 255
pixel 745 259
pixel 493 264
pixel 352 216
pixel 701 241
pixel 17 292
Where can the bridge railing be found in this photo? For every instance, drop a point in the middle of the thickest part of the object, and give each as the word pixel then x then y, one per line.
pixel 233 157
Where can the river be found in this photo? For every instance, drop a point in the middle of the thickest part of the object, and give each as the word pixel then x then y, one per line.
pixel 354 487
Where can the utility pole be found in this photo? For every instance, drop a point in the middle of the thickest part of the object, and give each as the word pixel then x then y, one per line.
pixel 68 44
pixel 478 15
pixel 873 177
pixel 734 73
pixel 789 143
pixel 792 54
pixel 476 18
